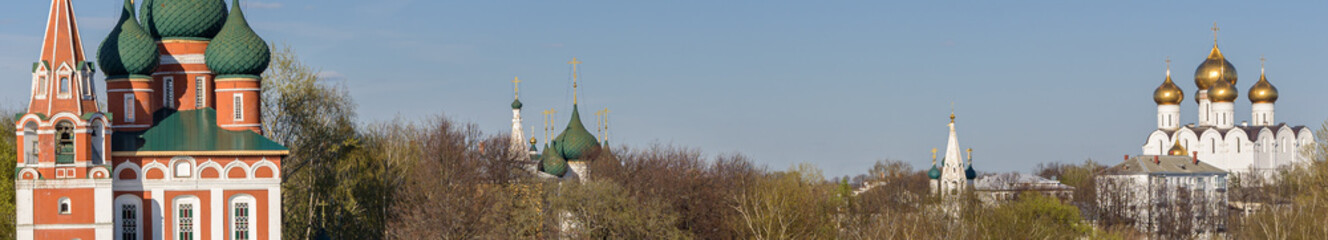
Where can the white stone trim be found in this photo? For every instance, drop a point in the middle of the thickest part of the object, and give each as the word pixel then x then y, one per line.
pixel 239 90
pixel 127 199
pixel 174 59
pixel 129 90
pixel 128 166
pixel 237 164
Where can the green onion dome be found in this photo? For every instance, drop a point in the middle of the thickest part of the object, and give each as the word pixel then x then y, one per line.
pixel 552 163
pixel 128 50
pixel 237 50
pixel 145 18
pixel 575 143
pixel 516 104
pixel 935 173
pixel 184 19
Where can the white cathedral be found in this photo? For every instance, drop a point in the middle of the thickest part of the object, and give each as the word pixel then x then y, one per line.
pixel 1260 144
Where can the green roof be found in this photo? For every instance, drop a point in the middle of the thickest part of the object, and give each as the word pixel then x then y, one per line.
pixel 552 163
pixel 934 173
pixel 237 50
pixel 186 19
pixel 128 50
pixel 192 130
pixel 575 142
pixel 516 104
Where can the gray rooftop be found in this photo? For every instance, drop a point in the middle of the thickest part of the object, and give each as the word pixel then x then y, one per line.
pixel 1155 164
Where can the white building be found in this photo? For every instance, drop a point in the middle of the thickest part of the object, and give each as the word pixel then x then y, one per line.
pixel 954 176
pixel 1260 143
pixel 1171 193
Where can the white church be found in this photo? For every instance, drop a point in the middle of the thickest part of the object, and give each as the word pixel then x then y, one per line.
pixel 1260 144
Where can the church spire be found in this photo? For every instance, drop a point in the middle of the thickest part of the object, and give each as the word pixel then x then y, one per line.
pixel 575 78
pixel 62 75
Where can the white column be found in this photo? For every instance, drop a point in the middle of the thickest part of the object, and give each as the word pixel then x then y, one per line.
pixel 1262 114
pixel 1223 114
pixel 23 207
pixel 105 208
pixel 218 219
pixel 1168 117
pixel 1204 108
pixel 273 212
pixel 159 216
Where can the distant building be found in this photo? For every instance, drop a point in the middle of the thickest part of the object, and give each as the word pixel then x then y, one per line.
pixel 1261 144
pixel 1007 187
pixel 954 175
pixel 1165 193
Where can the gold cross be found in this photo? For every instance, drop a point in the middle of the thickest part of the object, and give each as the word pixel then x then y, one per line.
pixel 1262 61
pixel 516 86
pixel 1215 29
pixel 1168 66
pixel 575 76
pixel 933 156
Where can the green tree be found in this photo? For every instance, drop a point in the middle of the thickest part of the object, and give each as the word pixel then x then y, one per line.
pixel 604 210
pixel 8 158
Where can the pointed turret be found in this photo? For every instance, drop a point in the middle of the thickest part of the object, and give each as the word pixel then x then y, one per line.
pixel 61 76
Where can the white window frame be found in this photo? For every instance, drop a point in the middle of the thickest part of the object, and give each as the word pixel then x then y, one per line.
pixel 168 92
pixel 68 208
pixel 252 222
pixel 238 107
pixel 183 169
pixel 178 226
pixel 40 81
pixel 130 107
pixel 120 203
pixel 61 77
pixel 200 85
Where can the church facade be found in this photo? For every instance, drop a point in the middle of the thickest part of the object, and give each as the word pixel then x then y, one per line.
pixel 177 153
pixel 1260 144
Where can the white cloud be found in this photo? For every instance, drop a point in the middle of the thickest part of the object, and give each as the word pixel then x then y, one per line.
pixel 262 5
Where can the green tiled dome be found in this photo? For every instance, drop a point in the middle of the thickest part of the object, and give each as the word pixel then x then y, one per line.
pixel 145 18
pixel 516 104
pixel 237 50
pixel 575 142
pixel 185 19
pixel 970 173
pixel 935 173
pixel 552 162
pixel 128 50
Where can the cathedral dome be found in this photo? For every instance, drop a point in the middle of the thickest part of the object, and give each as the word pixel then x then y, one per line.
pixel 516 104
pixel 1223 91
pixel 575 143
pixel 237 50
pixel 934 173
pixel 1216 66
pixel 128 50
pixel 552 163
pixel 1168 93
pixel 1177 149
pixel 1263 91
pixel 970 173
pixel 185 19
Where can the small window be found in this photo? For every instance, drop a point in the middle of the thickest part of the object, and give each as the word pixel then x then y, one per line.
pixel 64 206
pixel 241 221
pixel 129 222
pixel 185 222
pixel 183 169
pixel 168 92
pixel 239 107
pixel 41 85
pixel 64 85
pixel 129 107
pixel 199 94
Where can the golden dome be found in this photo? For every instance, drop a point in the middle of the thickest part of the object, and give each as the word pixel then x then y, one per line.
pixel 1168 93
pixel 1177 149
pixel 1216 66
pixel 1263 91
pixel 1223 92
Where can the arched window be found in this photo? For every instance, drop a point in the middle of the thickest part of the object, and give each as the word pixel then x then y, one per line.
pixel 238 106
pixel 64 144
pixel 65 206
pixel 30 147
pixel 186 219
pixel 41 84
pixel 128 216
pixel 98 141
pixel 64 85
pixel 242 222
pixel 130 107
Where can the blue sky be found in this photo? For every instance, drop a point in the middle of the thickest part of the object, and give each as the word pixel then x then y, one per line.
pixel 837 83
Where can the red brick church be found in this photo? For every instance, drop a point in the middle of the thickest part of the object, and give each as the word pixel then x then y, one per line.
pixel 178 153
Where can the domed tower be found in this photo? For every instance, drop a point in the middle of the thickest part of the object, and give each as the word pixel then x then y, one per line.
pixel 934 174
pixel 1214 68
pixel 127 58
pixel 183 29
pixel 518 146
pixel 1262 97
pixel 238 57
pixel 1223 94
pixel 969 173
pixel 1168 98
